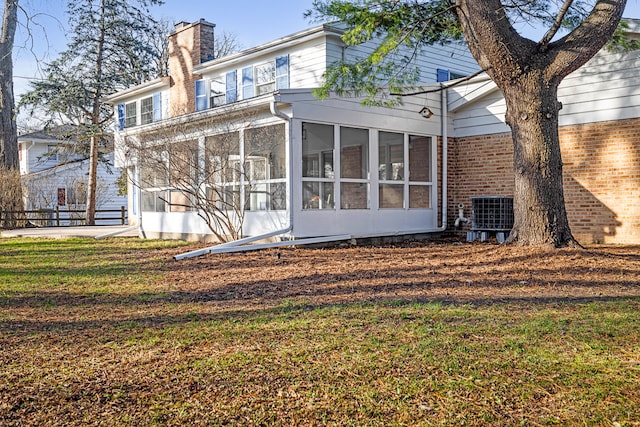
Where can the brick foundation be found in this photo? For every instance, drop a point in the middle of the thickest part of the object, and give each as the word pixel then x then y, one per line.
pixel 601 177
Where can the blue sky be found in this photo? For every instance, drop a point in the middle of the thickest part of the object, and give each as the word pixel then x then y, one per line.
pixel 252 21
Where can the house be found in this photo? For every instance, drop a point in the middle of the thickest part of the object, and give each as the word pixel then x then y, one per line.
pixel 54 177
pixel 279 162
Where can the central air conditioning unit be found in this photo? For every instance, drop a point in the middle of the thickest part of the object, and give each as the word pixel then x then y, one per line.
pixel 490 214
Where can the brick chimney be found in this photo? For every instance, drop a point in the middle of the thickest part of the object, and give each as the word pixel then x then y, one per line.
pixel 189 45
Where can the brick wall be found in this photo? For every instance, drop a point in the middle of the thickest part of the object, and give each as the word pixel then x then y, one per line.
pixel 601 177
pixel 189 45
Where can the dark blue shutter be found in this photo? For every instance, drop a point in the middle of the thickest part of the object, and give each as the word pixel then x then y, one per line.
pixel 443 75
pixel 157 107
pixel 232 86
pixel 282 72
pixel 120 116
pixel 201 95
pixel 247 83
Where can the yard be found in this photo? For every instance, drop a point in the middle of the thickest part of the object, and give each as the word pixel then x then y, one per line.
pixel 116 332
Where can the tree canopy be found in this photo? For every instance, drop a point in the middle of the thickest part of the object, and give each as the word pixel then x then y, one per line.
pixel 108 51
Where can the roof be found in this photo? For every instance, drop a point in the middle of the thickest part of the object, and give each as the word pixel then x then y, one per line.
pixel 55 133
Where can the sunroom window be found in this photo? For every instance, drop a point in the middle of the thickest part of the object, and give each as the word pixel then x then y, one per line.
pixel 317 166
pixel 354 168
pixel 391 170
pixel 265 168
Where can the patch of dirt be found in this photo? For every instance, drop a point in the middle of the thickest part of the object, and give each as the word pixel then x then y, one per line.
pixel 449 272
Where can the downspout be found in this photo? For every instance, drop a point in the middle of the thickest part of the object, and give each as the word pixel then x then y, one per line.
pixel 273 107
pixel 444 112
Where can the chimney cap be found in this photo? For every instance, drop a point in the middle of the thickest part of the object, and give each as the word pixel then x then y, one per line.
pixel 184 24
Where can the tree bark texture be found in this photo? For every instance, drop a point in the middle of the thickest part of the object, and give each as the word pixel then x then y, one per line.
pixel 529 73
pixel 92 184
pixel 8 131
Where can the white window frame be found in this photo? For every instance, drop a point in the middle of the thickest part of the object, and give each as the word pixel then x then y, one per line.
pixel 131 120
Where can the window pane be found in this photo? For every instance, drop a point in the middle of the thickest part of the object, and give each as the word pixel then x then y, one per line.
pixel 354 153
pixel 258 197
pixel 391 156
pixel 317 150
pixel 146 110
pixel 317 195
pixel 231 87
pixel 265 73
pixel 420 196
pixel 201 95
pixel 265 156
pixel 391 196
pixel 354 195
pixel 278 196
pixel 282 72
pixel 218 95
pixel 247 82
pixel 130 115
pixel 222 158
pixel 420 158
pixel 152 202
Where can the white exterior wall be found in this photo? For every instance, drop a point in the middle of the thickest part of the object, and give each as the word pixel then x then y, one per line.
pixel 606 88
pixel 44 185
pixel 373 221
pixel 454 57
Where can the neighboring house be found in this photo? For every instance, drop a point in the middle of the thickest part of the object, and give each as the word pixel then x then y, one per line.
pixel 334 167
pixel 54 178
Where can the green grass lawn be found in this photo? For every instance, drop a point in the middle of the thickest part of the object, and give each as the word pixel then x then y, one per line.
pixel 100 333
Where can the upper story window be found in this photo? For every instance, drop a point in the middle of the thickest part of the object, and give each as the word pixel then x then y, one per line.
pixel 150 111
pixel 146 110
pixel 446 75
pixel 130 114
pixel 255 80
pixel 265 77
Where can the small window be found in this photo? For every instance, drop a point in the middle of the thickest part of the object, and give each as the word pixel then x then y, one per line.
pixel 146 111
pixel 130 118
pixel 62 197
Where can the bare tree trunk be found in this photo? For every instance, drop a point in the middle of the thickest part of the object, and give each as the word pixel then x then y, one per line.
pixel 539 209
pixel 10 185
pixel 90 213
pixel 8 132
pixel 92 183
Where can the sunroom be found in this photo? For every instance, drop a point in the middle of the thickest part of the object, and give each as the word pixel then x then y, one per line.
pixel 289 166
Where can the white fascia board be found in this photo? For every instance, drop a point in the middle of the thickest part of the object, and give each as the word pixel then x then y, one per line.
pixel 136 91
pixel 276 45
pixel 464 94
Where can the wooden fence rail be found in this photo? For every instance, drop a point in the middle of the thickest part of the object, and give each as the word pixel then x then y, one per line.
pixel 57 217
